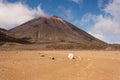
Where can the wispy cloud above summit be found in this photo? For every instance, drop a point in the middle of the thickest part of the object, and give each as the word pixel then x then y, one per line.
pixel 13 14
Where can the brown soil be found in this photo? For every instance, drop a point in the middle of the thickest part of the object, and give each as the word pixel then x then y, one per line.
pixel 32 65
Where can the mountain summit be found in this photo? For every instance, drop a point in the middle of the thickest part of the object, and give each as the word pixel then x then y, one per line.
pixel 55 32
pixel 52 29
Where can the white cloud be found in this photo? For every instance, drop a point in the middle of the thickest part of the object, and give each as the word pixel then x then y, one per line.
pixel 77 1
pixel 106 26
pixel 99 36
pixel 13 14
pixel 87 18
pixel 65 13
pixel 101 4
pixel 113 8
pixel 68 13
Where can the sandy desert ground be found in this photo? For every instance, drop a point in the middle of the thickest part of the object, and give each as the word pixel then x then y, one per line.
pixel 37 65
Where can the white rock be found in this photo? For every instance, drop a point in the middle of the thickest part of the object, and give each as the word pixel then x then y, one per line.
pixel 71 56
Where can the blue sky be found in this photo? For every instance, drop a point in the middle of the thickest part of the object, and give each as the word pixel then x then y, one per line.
pixel 97 17
pixel 58 7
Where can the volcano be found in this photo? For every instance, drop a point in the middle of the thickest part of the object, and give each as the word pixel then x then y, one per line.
pixel 53 30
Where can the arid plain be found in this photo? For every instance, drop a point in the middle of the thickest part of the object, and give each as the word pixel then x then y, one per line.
pixel 37 65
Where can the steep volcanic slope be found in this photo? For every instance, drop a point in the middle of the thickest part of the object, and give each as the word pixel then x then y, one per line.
pixel 53 29
pixel 50 29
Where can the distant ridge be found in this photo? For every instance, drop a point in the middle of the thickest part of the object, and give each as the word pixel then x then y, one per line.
pixel 6 37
